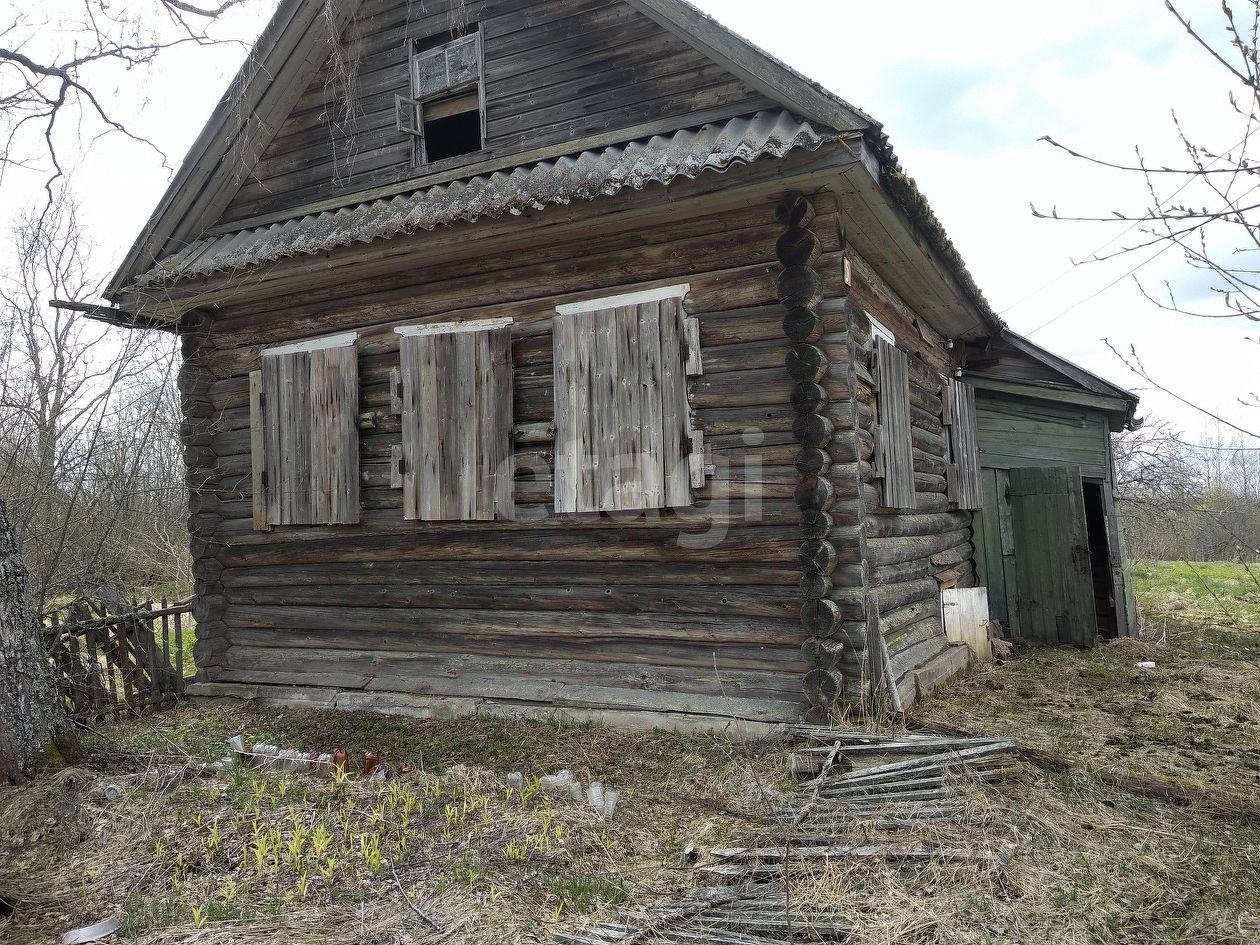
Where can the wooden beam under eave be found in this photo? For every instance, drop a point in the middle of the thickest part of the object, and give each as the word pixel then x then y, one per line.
pixel 882 233
pixel 739 187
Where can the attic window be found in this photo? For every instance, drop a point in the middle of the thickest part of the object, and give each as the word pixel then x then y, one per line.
pixel 445 115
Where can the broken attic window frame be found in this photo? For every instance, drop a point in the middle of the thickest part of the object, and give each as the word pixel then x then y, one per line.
pixel 447 86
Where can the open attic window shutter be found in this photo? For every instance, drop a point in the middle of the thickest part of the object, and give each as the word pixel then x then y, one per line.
pixel 304 406
pixel 623 431
pixel 958 400
pixel 894 454
pixel 456 455
pixel 445 112
pixel 453 67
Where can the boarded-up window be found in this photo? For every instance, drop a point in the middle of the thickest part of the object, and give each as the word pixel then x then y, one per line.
pixel 623 434
pixel 305 433
pixel 456 454
pixel 894 456
pixel 958 403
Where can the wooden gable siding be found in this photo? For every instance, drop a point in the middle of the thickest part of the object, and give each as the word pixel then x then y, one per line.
pixel 1016 431
pixel 548 609
pixel 555 71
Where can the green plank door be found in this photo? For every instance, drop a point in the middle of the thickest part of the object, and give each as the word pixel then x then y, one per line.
pixel 1056 594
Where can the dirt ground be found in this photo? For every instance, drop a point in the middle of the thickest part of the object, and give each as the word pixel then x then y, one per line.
pixel 456 851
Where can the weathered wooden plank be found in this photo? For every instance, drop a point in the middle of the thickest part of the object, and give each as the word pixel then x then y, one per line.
pixel 775 581
pixel 675 430
pixel 651 410
pixel 567 413
pixel 465 430
pixel 339 413
pixel 605 431
pixel 629 406
pixel 487 624
pixel 258 447
pixel 550 593
pixel 499 392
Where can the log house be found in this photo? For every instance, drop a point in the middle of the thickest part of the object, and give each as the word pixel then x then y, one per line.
pixel 561 356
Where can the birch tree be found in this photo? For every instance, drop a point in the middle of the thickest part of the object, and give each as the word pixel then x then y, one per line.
pixel 31 714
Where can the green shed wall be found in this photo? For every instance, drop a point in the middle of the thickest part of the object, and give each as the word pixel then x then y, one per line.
pixel 1018 431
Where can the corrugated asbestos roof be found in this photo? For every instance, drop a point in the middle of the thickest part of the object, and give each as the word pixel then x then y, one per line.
pixel 590 174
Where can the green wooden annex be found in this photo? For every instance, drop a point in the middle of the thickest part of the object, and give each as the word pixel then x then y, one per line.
pixel 1047 542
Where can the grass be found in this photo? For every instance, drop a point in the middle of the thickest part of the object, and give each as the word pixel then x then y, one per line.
pixel 266 851
pixel 1127 869
pixel 270 857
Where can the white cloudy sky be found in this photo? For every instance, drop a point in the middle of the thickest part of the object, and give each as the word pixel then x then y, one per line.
pixel 964 88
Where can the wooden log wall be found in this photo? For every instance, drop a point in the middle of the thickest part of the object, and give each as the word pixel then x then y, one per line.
pixel 911 553
pixel 203 479
pixel 809 361
pixel 555 71
pixel 690 611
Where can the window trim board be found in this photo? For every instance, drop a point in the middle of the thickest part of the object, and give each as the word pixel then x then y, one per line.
pixel 447 328
pixel 340 340
pixel 629 298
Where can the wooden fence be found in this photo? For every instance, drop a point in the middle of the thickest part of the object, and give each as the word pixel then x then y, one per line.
pixel 109 660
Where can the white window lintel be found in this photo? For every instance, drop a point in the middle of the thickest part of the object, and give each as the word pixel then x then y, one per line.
pixel 452 328
pixel 341 340
pixel 629 298
pixel 880 330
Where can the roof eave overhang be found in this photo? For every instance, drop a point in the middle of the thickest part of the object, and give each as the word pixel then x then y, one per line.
pixel 902 253
pixel 766 176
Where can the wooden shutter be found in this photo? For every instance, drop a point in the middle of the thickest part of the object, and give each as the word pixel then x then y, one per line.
pixel 457 459
pixel 447 69
pixel 305 402
pixel 894 457
pixel 623 431
pixel 958 400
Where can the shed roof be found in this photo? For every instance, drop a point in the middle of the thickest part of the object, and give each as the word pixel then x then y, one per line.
pixel 585 176
pixel 1058 375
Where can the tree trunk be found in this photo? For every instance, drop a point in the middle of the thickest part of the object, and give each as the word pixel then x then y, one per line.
pixel 31 715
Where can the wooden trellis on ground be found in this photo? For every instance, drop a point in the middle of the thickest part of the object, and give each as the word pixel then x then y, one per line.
pixel 881 799
pixel 109 661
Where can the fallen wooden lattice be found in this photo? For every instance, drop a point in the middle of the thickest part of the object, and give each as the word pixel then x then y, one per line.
pixel 721 915
pixel 884 782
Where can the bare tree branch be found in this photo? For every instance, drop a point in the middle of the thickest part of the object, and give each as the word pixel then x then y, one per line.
pixel 56 71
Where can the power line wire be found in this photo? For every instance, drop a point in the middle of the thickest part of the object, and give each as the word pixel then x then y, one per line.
pixel 1161 205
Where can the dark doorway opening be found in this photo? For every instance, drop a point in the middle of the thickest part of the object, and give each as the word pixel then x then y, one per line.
pixel 452 135
pixel 1100 559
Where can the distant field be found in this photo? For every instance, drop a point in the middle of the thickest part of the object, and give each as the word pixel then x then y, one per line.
pixel 1222 598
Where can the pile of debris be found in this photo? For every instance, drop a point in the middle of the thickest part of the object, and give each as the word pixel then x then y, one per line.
pixel 852 783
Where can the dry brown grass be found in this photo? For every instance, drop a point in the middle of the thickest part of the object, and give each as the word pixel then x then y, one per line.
pixel 1054 858
pixel 233 859
pixel 1069 864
